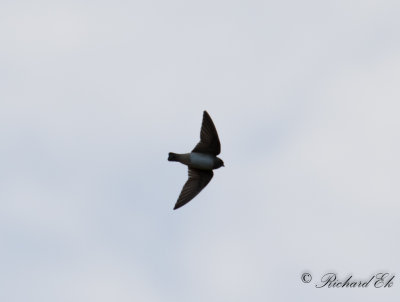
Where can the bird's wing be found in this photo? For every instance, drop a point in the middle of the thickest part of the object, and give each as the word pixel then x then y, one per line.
pixel 209 141
pixel 198 179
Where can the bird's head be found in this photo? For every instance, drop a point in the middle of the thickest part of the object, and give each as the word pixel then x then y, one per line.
pixel 219 163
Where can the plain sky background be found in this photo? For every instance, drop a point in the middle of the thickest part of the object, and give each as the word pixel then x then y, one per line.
pixel 94 94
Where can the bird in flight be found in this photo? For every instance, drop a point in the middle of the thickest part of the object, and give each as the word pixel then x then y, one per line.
pixel 201 161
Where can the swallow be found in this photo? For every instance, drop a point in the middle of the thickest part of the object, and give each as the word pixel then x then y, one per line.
pixel 201 161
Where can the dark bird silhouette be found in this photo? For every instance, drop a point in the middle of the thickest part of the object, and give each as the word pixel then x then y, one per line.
pixel 201 161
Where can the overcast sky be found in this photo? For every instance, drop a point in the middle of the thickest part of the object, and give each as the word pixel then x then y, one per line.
pixel 94 94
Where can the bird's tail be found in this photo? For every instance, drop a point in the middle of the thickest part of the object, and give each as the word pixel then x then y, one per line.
pixel 172 156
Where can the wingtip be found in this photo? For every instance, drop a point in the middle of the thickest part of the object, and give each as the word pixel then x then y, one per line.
pixel 177 206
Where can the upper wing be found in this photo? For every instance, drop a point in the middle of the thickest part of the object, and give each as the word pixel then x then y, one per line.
pixel 198 179
pixel 209 141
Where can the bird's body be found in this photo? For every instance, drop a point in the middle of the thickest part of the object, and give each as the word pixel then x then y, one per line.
pixel 201 161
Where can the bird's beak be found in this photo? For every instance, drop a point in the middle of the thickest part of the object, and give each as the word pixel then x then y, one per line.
pixel 223 165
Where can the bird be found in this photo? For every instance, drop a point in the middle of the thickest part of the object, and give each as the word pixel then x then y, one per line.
pixel 201 161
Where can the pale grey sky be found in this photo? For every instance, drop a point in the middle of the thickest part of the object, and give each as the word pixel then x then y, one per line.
pixel 93 96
